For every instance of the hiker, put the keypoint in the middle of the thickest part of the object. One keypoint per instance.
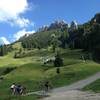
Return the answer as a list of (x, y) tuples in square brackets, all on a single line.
[(13, 88), (48, 86), (18, 89), (23, 90)]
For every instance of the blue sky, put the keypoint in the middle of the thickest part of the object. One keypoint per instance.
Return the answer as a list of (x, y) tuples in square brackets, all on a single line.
[(18, 17)]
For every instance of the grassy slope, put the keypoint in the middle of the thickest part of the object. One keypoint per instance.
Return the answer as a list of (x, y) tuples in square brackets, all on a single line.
[(31, 72), (95, 86), (71, 73), (8, 60)]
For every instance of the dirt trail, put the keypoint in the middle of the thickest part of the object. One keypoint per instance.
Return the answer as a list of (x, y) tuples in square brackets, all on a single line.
[(72, 92), (73, 95)]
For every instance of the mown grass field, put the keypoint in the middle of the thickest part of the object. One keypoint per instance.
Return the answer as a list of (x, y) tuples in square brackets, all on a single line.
[(30, 71)]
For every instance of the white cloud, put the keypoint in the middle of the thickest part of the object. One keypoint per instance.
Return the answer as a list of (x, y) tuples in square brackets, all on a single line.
[(3, 40), (10, 11), (21, 22), (21, 33)]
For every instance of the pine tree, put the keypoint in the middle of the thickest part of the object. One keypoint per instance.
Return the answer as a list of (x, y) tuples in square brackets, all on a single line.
[(58, 63)]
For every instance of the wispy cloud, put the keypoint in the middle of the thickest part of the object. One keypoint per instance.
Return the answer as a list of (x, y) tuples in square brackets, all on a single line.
[(11, 10), (21, 33), (3, 40), (21, 22)]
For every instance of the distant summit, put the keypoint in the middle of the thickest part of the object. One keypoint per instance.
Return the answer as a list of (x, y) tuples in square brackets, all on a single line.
[(58, 24), (43, 28), (74, 25)]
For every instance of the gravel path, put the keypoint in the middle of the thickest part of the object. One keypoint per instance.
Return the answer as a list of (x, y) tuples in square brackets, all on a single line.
[(73, 95), (72, 92), (78, 85)]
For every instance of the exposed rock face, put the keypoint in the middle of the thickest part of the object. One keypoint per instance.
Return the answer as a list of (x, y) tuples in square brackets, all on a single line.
[(74, 25), (58, 24), (43, 28), (55, 25)]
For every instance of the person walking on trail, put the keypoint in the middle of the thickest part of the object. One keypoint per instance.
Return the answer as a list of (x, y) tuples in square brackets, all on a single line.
[(23, 90), (13, 88), (48, 86)]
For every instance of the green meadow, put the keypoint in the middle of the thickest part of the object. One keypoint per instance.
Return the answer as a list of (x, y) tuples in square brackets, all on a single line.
[(30, 71)]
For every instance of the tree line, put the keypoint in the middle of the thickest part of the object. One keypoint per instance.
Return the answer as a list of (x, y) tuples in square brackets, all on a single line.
[(4, 49)]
